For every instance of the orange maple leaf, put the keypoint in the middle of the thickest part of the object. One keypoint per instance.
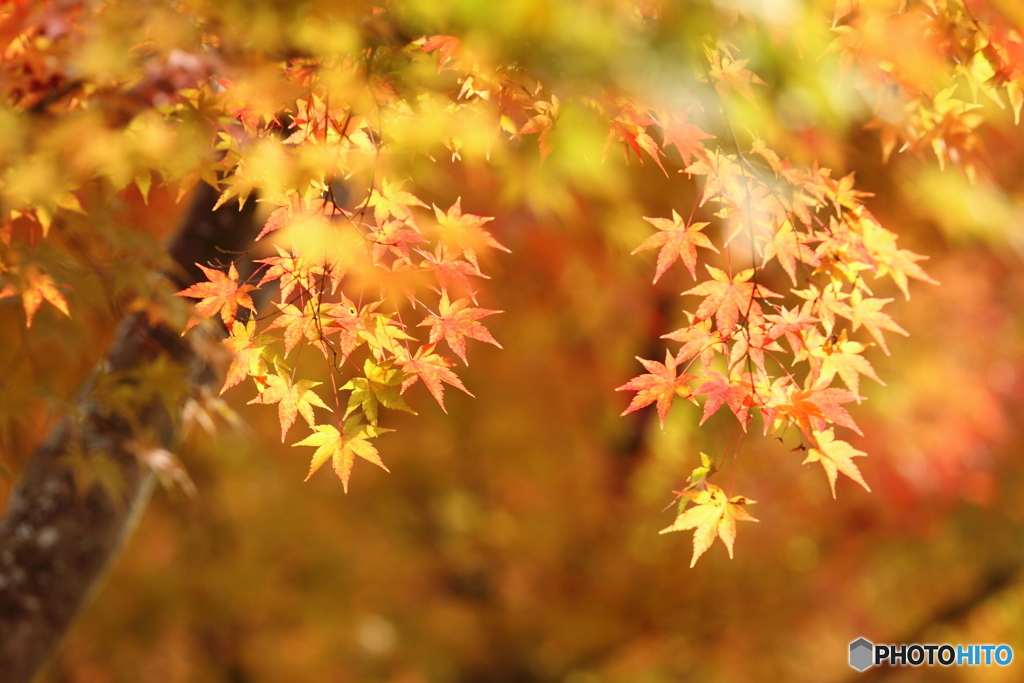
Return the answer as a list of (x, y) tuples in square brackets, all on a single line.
[(39, 287), (835, 456), (713, 515), (463, 234), (388, 199), (542, 123), (248, 348), (222, 294), (661, 384), (455, 322), (299, 324), (789, 246), (686, 137), (677, 241), (291, 399), (447, 268), (446, 46), (697, 340), (631, 127), (433, 369), (729, 74), (728, 298), (810, 409)]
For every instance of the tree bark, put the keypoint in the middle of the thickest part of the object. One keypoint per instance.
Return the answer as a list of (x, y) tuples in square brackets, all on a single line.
[(56, 542)]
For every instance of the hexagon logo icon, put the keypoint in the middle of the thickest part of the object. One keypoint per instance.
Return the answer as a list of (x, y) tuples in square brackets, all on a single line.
[(861, 652)]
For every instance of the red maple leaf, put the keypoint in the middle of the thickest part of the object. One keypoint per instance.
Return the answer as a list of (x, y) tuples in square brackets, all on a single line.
[(222, 294), (737, 392), (455, 322), (728, 299), (677, 241), (660, 384)]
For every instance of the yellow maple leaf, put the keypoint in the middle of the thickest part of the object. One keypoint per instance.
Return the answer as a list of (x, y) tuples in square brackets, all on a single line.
[(713, 515)]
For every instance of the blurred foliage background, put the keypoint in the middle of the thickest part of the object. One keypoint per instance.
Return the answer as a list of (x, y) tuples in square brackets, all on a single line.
[(515, 540)]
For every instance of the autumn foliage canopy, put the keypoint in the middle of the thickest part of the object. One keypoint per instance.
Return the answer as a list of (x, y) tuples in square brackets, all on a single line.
[(355, 127)]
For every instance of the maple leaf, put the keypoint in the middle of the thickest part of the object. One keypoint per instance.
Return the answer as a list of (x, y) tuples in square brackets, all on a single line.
[(737, 392), (222, 294), (677, 241), (394, 237), (350, 325), (686, 137), (380, 332), (291, 270), (291, 399), (447, 268), (379, 387), (713, 515), (248, 349), (388, 199), (446, 47), (660, 384), (728, 299), (835, 456), (433, 369), (299, 213), (697, 340), (39, 287), (789, 246), (752, 342), (455, 322), (341, 448), (825, 303), (809, 409), (868, 312), (631, 127), (462, 233), (299, 325), (843, 358), (793, 325), (729, 74), (899, 264), (542, 123)]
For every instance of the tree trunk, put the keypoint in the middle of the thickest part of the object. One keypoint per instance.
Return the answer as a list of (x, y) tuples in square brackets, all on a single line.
[(56, 542)]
